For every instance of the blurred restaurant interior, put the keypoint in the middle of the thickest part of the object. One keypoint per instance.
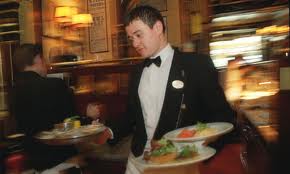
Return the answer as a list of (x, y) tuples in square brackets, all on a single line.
[(84, 42)]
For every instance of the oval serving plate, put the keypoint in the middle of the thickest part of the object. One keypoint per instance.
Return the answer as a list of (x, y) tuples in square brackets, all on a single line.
[(220, 127), (203, 154)]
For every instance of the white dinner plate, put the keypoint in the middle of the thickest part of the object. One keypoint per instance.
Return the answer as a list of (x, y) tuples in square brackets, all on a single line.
[(220, 127), (203, 154)]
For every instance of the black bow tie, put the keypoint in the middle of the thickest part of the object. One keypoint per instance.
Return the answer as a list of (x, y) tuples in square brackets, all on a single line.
[(156, 61)]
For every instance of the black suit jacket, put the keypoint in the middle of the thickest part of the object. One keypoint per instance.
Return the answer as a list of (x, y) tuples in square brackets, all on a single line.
[(201, 98), (40, 102), (37, 104)]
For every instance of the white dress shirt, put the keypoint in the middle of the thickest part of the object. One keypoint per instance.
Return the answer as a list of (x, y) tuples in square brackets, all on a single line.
[(151, 92)]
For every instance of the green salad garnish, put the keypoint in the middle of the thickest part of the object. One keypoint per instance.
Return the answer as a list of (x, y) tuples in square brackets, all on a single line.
[(187, 151), (163, 142), (165, 148), (201, 126)]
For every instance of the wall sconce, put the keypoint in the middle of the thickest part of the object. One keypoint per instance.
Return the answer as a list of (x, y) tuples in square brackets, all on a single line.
[(81, 20), (63, 14)]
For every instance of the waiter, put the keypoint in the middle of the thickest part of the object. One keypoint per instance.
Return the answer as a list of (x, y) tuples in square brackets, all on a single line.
[(39, 102), (169, 90)]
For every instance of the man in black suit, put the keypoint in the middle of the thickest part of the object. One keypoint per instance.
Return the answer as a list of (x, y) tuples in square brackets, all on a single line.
[(39, 102), (170, 89)]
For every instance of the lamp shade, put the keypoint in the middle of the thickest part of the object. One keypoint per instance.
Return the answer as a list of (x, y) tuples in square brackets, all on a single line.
[(82, 20), (64, 13)]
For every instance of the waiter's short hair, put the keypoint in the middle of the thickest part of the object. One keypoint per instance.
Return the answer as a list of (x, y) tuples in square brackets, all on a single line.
[(25, 54), (146, 14)]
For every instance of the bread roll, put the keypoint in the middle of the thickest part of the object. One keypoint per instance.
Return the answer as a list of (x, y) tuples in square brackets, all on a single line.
[(163, 158)]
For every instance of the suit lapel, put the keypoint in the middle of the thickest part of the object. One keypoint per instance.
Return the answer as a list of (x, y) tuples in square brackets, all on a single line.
[(136, 86), (172, 100), (137, 78)]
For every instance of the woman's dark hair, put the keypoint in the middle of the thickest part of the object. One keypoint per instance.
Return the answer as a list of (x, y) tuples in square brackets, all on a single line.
[(146, 14), (24, 55)]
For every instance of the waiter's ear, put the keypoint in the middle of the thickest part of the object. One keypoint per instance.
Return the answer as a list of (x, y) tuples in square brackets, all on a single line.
[(37, 59), (158, 27)]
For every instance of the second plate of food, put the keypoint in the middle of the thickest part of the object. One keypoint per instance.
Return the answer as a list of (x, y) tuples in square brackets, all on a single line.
[(200, 131)]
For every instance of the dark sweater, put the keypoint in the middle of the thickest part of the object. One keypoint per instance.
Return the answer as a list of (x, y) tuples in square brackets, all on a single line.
[(37, 104)]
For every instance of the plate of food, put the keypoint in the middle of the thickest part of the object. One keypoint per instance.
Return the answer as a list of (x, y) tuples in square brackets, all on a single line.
[(85, 130), (200, 131), (82, 131), (166, 154)]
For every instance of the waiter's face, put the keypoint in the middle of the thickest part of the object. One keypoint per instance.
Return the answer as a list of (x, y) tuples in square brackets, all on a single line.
[(145, 40)]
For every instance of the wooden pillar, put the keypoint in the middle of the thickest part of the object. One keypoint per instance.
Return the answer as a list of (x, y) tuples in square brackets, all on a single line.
[(37, 21)]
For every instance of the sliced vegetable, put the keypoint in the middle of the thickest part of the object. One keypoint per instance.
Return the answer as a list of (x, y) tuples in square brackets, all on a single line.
[(186, 133), (71, 118)]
